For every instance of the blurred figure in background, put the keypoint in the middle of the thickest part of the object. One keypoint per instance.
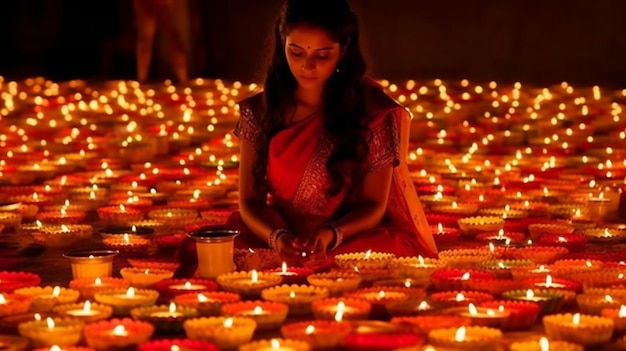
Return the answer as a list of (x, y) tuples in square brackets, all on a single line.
[(148, 15)]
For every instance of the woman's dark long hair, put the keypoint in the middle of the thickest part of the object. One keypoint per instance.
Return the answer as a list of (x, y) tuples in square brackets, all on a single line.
[(343, 105)]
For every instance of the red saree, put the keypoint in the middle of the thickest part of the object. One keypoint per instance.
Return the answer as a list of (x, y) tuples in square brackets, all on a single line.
[(297, 178)]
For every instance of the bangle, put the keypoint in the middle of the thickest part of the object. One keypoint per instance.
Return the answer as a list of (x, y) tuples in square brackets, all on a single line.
[(338, 235), (273, 239)]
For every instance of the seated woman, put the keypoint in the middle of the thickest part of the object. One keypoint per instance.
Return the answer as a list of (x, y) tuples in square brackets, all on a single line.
[(323, 152)]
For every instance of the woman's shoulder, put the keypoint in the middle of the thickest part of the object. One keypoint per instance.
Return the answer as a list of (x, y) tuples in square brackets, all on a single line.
[(253, 104), (377, 101)]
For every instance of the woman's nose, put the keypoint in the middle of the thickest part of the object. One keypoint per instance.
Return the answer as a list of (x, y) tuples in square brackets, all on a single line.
[(309, 64)]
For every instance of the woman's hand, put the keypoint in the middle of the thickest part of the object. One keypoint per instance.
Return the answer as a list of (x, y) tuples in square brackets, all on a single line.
[(288, 248), (316, 245)]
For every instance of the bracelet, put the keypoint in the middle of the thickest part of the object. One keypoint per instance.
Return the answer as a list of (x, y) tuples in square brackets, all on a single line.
[(273, 239), (338, 235)]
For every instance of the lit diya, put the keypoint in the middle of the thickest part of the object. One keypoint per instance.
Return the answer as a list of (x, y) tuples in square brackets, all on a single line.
[(124, 300), (291, 275), (482, 316), (267, 315), (89, 286), (335, 282), (226, 332), (248, 283), (86, 312), (341, 309), (297, 297), (362, 260), (169, 288), (50, 332), (618, 315), (549, 301), (45, 298), (466, 338), (579, 328), (144, 278), (318, 334), (166, 319), (117, 333), (207, 303)]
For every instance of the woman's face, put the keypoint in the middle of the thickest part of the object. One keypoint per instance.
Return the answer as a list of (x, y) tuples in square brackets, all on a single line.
[(312, 55)]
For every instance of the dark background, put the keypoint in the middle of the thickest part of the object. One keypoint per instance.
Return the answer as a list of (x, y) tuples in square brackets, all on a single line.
[(582, 41)]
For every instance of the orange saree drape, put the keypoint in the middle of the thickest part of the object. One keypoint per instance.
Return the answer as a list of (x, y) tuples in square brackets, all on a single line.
[(297, 178)]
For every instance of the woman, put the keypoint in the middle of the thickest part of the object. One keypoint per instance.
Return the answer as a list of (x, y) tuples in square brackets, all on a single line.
[(327, 145)]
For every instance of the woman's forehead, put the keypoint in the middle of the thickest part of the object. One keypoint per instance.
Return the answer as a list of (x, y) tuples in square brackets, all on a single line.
[(310, 38)]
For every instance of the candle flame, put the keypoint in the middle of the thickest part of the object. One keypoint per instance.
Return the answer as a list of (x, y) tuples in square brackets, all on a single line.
[(228, 322), (341, 307), (530, 294), (548, 281), (98, 281), (130, 293), (55, 348), (284, 267), (368, 254), (87, 306), (172, 308), (407, 283), (310, 329), (275, 344), (292, 294), (622, 312), (421, 259), (588, 264), (439, 227), (460, 297), (465, 276), (175, 348), (576, 319), (120, 331), (608, 298), (254, 276), (126, 238), (381, 294), (64, 228), (2, 299), (492, 247), (542, 268), (423, 306), (460, 334), (257, 310), (202, 298), (472, 309), (187, 285), (56, 291), (147, 271), (50, 323), (544, 344), (122, 208)]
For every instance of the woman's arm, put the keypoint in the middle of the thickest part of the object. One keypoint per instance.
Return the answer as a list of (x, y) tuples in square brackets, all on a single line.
[(258, 216)]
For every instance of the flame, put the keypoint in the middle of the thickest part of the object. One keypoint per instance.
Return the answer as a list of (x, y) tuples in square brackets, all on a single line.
[(421, 259), (55, 348), (407, 283), (254, 276), (608, 298), (50, 323), (122, 208), (275, 344), (172, 308), (56, 291), (202, 298), (465, 276), (500, 233), (120, 331), (37, 317), (87, 306), (460, 297), (187, 285), (126, 238), (284, 268), (130, 293), (147, 271), (64, 228), (310, 329), (548, 281), (588, 264), (460, 334), (472, 309), (381, 294), (440, 228), (368, 254), (257, 310), (423, 306), (228, 323), (530, 294), (576, 319), (544, 344), (622, 311), (98, 281), (2, 299), (341, 307), (292, 294)]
